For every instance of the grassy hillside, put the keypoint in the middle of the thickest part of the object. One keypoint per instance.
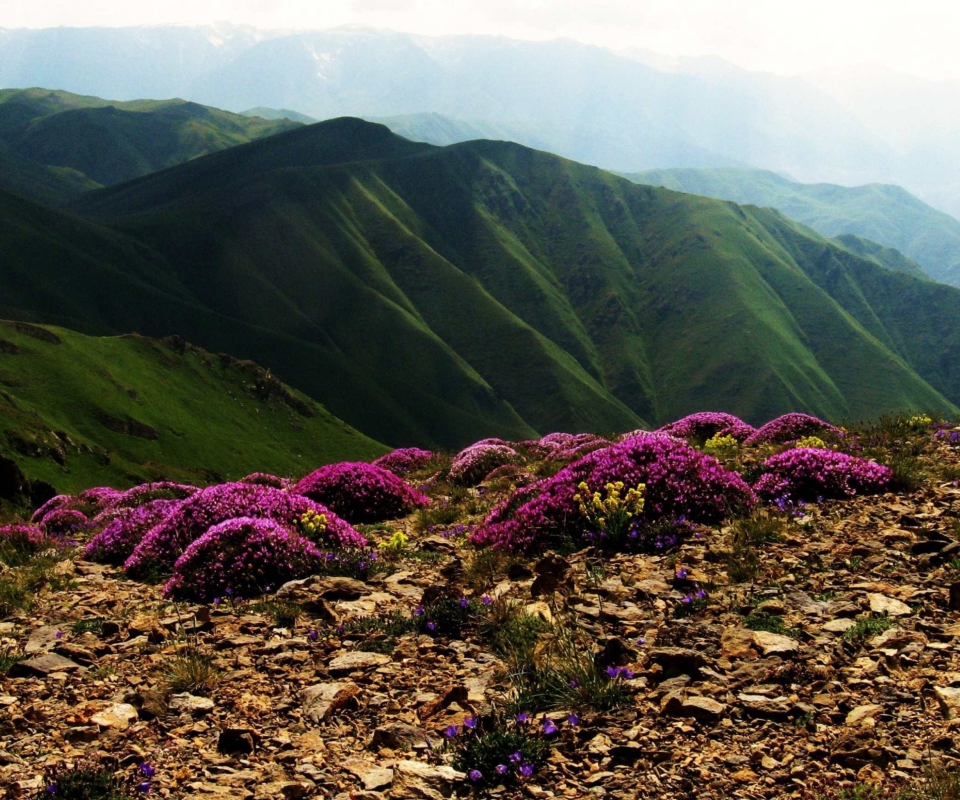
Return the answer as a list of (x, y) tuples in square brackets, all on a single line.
[(583, 300), (110, 142), (885, 214), (77, 411), (65, 270)]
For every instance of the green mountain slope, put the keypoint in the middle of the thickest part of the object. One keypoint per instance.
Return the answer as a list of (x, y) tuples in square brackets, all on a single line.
[(881, 213), (111, 142), (65, 270), (77, 411), (52, 185), (583, 300)]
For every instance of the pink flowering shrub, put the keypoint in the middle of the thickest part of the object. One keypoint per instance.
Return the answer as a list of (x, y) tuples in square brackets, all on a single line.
[(148, 492), (473, 464), (681, 482), (566, 446), (64, 522), (125, 530), (89, 503), (361, 492), (707, 424), (809, 474), (242, 557), (405, 460), (166, 541), (791, 427), (19, 542), (265, 479)]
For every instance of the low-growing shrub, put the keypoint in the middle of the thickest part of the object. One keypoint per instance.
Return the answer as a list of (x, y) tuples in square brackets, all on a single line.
[(361, 492), (115, 543), (264, 479), (65, 523), (813, 475), (499, 751), (680, 482), (191, 671), (706, 424), (148, 492), (165, 542), (405, 460), (19, 543), (867, 627), (246, 556), (473, 464), (88, 780), (789, 428)]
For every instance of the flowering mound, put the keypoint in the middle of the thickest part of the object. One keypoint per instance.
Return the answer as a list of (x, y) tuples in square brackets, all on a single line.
[(125, 530), (148, 492), (242, 557), (564, 446), (165, 542), (264, 479), (89, 503), (18, 541), (64, 522), (361, 492), (707, 424), (789, 428), (472, 465), (680, 482), (809, 474), (404, 460)]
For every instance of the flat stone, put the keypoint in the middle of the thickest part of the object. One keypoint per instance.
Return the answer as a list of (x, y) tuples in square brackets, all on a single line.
[(949, 699), (765, 706), (43, 665), (372, 776), (323, 699), (771, 644), (186, 703), (678, 660), (414, 779), (860, 713), (43, 640), (839, 625), (704, 709), (118, 717), (737, 643), (398, 736), (881, 604), (357, 660)]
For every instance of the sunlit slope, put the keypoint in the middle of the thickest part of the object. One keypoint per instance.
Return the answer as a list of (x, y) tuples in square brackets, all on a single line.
[(110, 142), (78, 411), (585, 301)]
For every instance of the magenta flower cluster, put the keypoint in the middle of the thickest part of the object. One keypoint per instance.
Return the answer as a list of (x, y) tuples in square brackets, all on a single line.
[(680, 482), (361, 492), (242, 557), (808, 473), (193, 517), (26, 539), (404, 461), (266, 479), (125, 530), (791, 427), (707, 424), (472, 464), (566, 446)]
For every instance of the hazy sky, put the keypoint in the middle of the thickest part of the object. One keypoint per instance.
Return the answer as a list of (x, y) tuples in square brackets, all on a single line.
[(915, 36)]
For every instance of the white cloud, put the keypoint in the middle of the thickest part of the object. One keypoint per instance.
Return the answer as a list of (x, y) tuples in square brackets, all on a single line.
[(772, 35)]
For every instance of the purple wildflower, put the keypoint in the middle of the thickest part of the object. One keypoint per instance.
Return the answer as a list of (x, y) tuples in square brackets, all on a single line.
[(526, 770), (476, 775), (502, 769), (807, 473), (361, 492), (573, 720), (523, 716), (549, 727), (470, 723), (451, 731), (516, 757)]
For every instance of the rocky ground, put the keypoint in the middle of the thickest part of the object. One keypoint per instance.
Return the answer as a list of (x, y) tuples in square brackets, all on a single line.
[(856, 678)]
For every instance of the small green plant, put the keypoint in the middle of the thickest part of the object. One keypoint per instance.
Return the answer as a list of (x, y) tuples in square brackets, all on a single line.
[(285, 614), (937, 782), (721, 445), (9, 657), (771, 624), (511, 632), (499, 750), (395, 547), (853, 564), (93, 625), (191, 671), (91, 781), (868, 627), (611, 512)]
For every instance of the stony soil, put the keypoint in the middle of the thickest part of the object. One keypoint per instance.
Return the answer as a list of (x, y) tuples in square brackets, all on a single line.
[(716, 710)]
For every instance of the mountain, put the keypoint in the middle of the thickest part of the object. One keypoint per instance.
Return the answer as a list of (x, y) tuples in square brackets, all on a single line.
[(61, 269), (279, 113), (442, 130), (141, 409), (582, 300), (579, 101), (885, 214), (52, 185), (109, 142)]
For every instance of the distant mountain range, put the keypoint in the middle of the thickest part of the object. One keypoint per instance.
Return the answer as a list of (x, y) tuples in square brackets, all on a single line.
[(435, 296), (888, 215), (77, 411)]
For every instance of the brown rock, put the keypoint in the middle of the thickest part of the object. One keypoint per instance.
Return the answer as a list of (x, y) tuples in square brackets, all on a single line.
[(881, 604), (356, 660), (43, 665), (118, 716), (414, 779), (323, 699), (234, 741)]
